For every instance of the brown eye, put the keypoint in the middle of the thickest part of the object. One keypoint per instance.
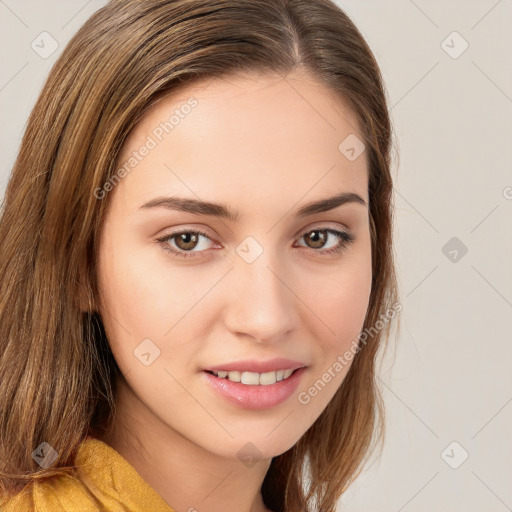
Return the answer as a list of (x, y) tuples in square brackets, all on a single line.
[(316, 238), (186, 244), (327, 241), (186, 241)]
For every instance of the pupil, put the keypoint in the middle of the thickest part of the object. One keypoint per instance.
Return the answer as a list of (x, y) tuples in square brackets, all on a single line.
[(317, 237), (186, 239)]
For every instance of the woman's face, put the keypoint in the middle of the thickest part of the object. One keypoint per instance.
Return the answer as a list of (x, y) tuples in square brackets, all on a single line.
[(261, 281)]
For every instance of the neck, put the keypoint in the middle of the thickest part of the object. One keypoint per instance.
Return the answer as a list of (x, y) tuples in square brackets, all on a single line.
[(186, 475)]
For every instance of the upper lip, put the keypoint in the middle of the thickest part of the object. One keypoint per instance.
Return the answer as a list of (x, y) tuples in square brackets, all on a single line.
[(255, 366)]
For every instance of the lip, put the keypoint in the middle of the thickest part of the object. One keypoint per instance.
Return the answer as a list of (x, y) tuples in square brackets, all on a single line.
[(252, 365), (255, 397)]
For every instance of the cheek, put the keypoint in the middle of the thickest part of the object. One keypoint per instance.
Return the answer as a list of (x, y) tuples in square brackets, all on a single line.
[(340, 302), (140, 290), (126, 285), (144, 297), (339, 307)]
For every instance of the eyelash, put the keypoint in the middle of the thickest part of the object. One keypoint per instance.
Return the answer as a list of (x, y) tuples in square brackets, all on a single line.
[(345, 239)]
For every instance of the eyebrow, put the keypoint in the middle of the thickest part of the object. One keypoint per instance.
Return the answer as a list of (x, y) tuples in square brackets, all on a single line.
[(224, 211)]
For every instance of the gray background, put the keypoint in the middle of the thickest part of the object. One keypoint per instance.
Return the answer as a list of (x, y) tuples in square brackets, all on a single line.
[(449, 378)]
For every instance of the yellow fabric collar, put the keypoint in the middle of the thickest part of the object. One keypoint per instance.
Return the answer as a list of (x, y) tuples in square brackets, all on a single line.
[(104, 481)]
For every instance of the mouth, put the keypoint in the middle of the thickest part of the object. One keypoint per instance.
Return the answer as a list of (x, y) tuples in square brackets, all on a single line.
[(254, 378), (251, 390)]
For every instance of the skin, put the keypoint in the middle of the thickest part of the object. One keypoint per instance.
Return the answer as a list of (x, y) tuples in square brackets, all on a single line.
[(263, 145)]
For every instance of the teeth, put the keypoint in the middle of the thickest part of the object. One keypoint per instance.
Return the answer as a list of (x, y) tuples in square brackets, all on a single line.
[(250, 378), (287, 373), (234, 376), (255, 379), (267, 378)]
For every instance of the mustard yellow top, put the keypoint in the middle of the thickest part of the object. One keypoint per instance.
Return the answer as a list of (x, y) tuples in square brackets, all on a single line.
[(105, 482)]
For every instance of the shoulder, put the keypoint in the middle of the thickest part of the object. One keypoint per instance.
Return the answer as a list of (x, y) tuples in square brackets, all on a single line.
[(55, 494), (76, 490), (103, 481)]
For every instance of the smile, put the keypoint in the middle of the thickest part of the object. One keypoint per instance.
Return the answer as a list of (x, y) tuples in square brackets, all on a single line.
[(253, 378)]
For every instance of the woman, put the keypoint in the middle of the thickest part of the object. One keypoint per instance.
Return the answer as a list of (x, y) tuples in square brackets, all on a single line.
[(196, 263)]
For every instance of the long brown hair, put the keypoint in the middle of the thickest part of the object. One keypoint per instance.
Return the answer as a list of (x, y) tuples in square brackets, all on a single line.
[(57, 373)]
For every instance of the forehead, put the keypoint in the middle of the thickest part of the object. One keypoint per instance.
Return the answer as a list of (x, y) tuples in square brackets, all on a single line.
[(246, 135)]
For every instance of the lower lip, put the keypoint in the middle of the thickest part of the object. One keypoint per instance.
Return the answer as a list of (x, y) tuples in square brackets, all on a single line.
[(255, 397)]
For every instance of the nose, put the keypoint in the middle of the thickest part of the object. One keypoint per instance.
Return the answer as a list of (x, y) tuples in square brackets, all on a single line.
[(262, 304)]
